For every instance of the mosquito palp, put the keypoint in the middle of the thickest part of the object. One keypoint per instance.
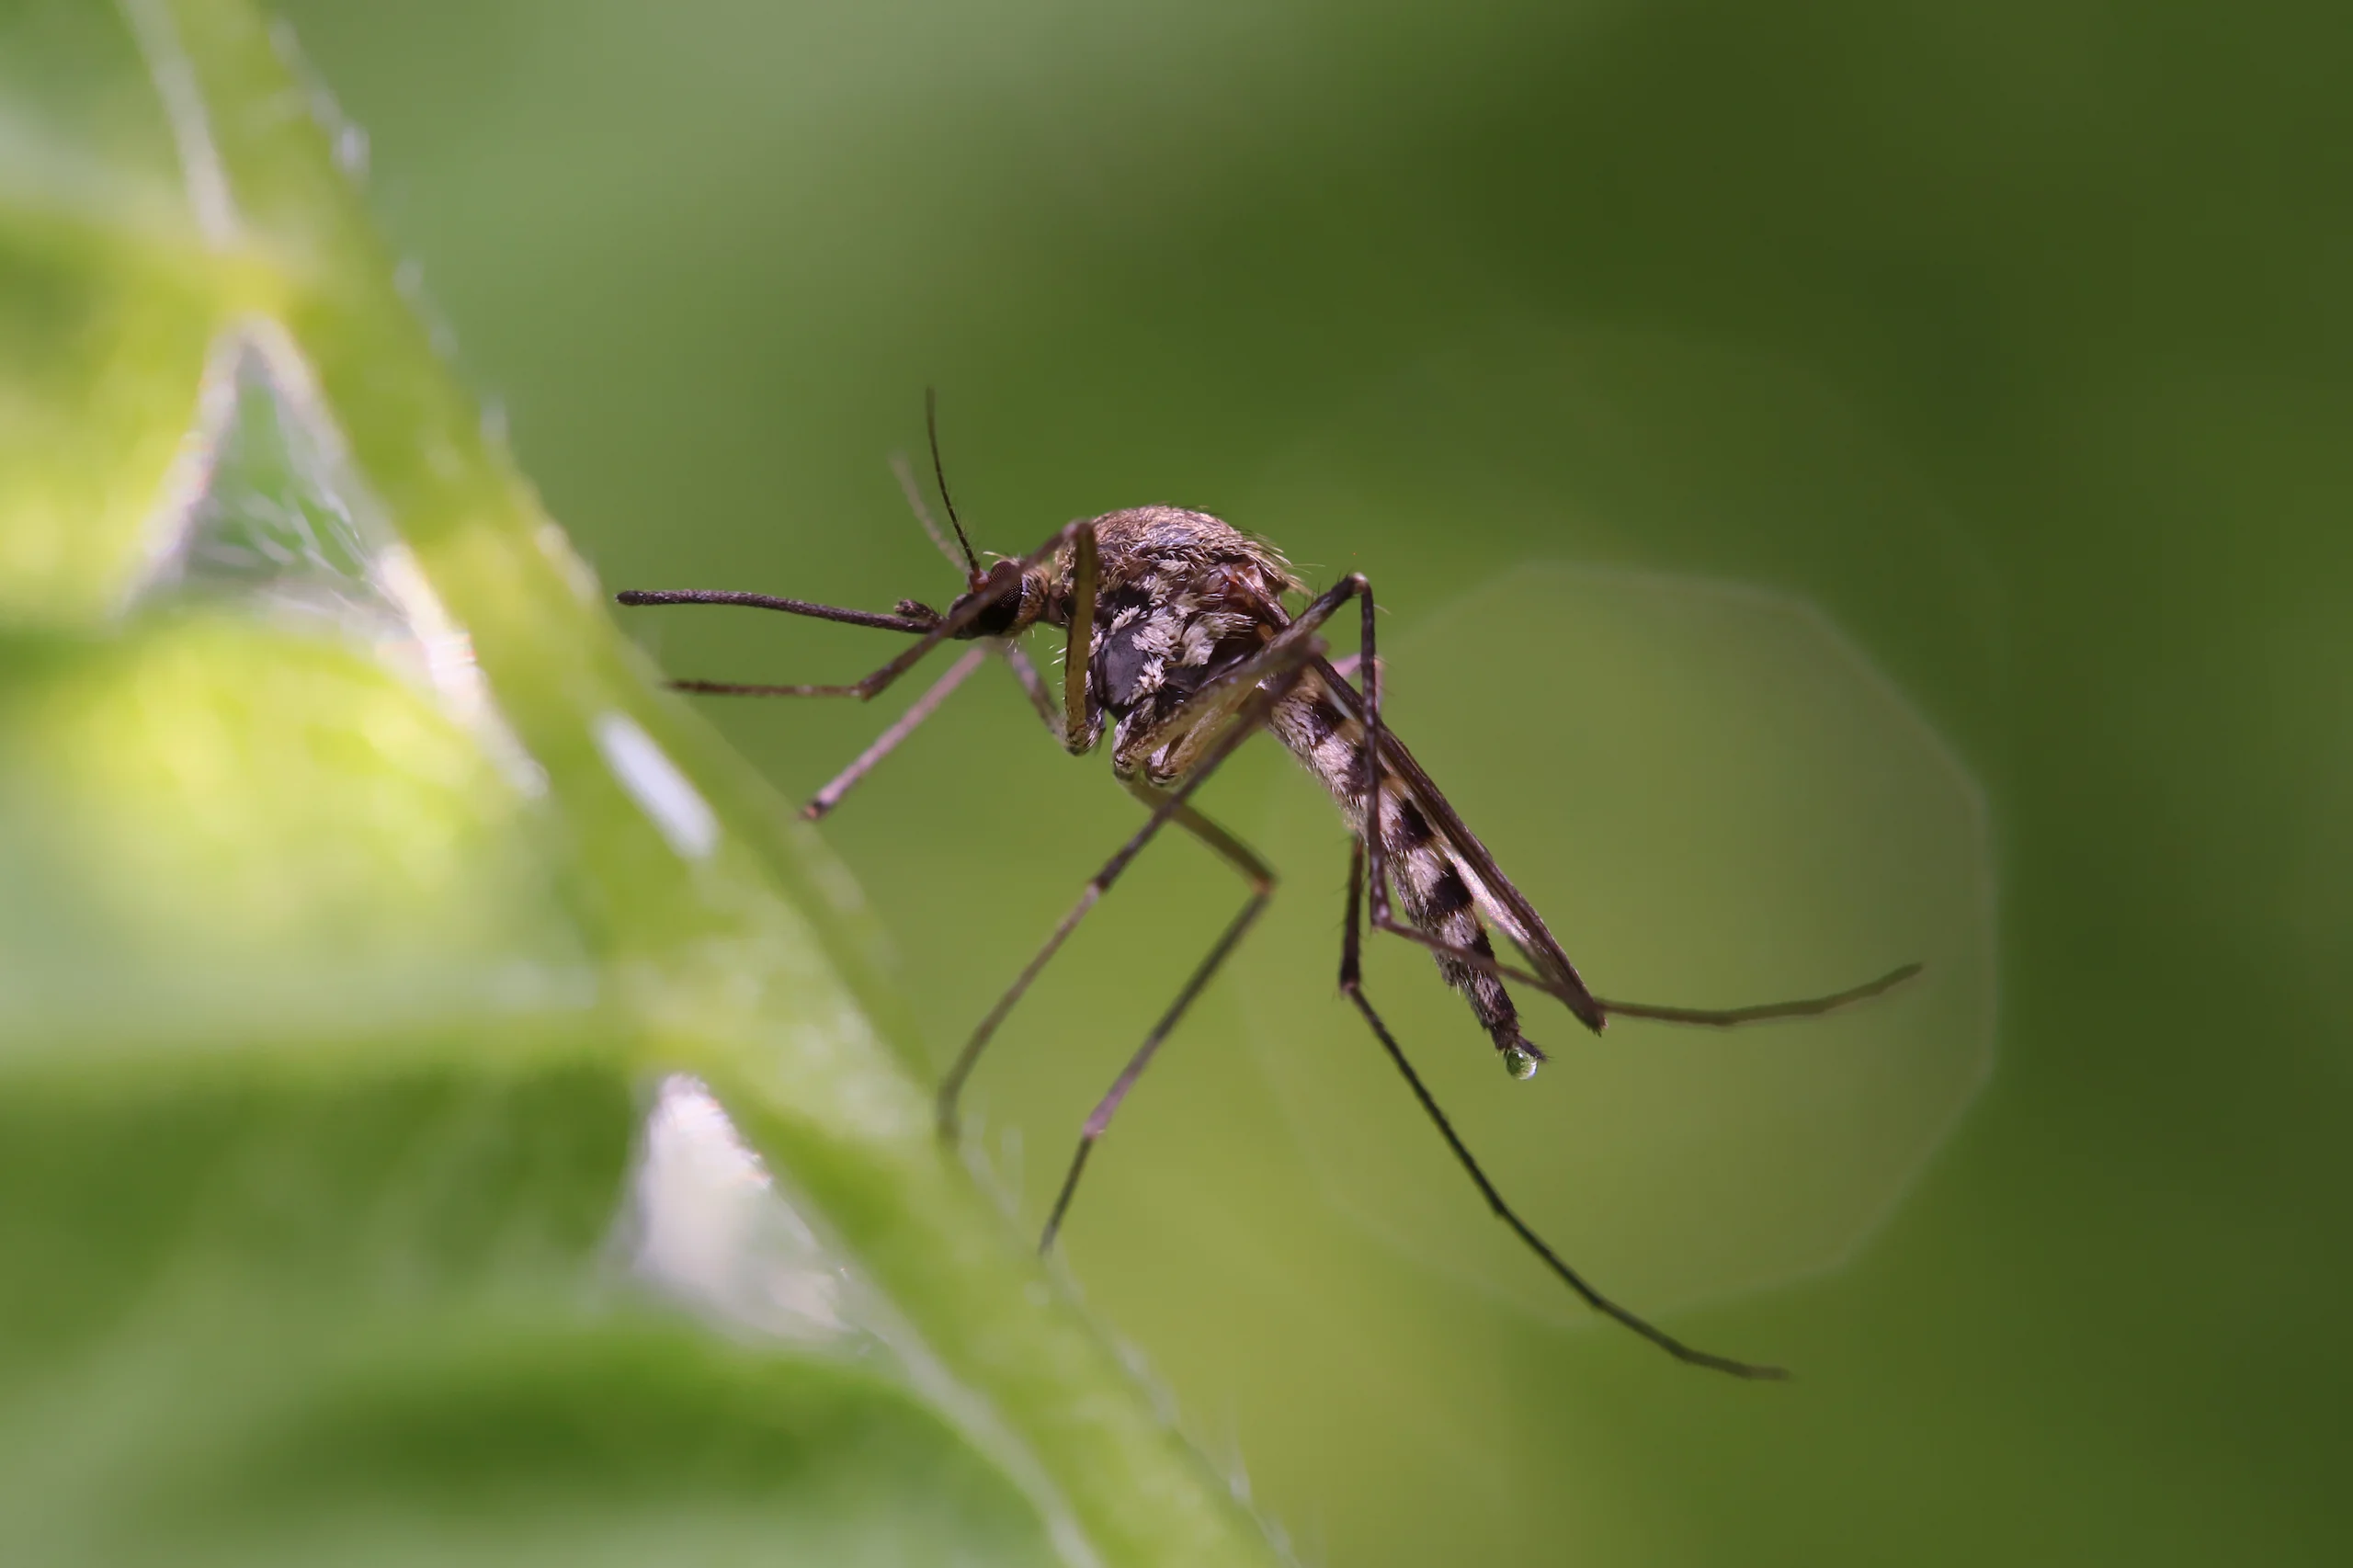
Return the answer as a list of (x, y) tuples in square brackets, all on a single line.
[(1179, 643)]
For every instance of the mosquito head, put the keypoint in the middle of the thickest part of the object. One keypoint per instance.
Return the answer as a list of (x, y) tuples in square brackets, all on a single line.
[(1014, 599)]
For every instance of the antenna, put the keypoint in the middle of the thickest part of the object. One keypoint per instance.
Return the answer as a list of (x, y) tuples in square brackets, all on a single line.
[(939, 474), (911, 489)]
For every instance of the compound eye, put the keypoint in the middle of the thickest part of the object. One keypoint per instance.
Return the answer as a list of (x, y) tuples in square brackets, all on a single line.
[(999, 618), (1005, 612)]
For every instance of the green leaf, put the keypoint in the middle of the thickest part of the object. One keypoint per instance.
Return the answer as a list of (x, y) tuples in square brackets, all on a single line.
[(445, 1118)]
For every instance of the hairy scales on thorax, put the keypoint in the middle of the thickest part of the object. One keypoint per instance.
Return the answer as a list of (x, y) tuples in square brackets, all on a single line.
[(1181, 596)]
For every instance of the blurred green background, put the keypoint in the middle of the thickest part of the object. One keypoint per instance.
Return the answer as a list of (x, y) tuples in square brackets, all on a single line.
[(2013, 337)]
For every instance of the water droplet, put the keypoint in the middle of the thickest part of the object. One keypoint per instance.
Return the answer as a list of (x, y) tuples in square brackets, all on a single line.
[(1522, 1063)]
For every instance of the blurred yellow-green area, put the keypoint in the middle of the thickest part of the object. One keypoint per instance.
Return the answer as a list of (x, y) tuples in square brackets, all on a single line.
[(1844, 484)]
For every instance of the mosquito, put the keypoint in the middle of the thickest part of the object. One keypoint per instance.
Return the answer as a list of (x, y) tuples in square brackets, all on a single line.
[(1179, 641)]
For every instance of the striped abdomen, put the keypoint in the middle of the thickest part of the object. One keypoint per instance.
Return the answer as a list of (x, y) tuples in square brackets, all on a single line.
[(1432, 890)]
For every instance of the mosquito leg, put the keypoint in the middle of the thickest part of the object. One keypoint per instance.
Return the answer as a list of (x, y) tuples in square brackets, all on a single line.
[(769, 601), (904, 725), (1240, 729), (1351, 983), (1033, 685), (1098, 1123), (1758, 1013), (992, 587), (1706, 1017), (1082, 720), (925, 705), (1261, 878)]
